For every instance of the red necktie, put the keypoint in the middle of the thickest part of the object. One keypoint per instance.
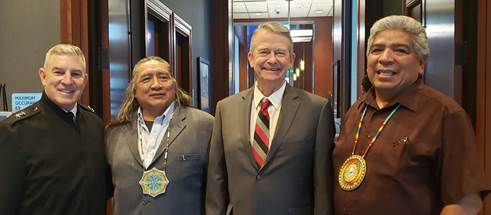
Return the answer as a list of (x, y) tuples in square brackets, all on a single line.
[(260, 145)]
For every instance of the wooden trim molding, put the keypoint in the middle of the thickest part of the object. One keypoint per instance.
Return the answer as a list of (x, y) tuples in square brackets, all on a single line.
[(483, 90), (158, 9), (244, 82), (220, 61), (182, 25), (185, 29), (164, 14), (74, 30)]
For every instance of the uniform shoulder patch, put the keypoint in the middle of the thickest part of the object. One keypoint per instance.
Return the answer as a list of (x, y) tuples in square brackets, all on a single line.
[(23, 114), (88, 108)]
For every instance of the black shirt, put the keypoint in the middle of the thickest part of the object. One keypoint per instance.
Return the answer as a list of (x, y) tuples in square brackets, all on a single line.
[(50, 164)]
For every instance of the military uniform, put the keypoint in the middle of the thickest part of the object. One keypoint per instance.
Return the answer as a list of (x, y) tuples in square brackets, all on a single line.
[(51, 163)]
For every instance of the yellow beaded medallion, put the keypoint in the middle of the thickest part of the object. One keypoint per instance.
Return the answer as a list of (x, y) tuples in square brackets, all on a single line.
[(354, 169), (352, 173)]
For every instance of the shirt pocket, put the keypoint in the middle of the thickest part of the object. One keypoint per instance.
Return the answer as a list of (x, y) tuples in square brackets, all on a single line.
[(189, 157), (417, 160), (188, 166)]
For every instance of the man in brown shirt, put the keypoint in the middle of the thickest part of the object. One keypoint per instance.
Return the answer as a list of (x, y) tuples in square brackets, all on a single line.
[(405, 148)]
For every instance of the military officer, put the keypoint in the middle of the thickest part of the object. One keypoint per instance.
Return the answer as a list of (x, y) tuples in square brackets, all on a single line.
[(52, 153)]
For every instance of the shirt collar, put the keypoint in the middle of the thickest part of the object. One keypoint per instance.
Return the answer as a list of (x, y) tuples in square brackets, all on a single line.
[(62, 112), (408, 98), (160, 119), (73, 110), (274, 98)]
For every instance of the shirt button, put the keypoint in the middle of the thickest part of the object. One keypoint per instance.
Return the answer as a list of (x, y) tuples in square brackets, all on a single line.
[(258, 177)]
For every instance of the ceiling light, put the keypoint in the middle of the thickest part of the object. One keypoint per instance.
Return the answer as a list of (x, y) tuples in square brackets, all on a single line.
[(319, 11), (301, 33), (301, 39), (258, 14)]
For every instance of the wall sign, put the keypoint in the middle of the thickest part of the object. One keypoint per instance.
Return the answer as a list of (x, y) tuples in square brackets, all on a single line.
[(23, 100)]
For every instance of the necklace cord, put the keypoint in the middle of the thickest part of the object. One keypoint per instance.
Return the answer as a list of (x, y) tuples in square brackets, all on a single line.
[(167, 143), (379, 131)]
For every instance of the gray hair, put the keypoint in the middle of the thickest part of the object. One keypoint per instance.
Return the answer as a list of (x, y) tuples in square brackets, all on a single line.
[(130, 104), (64, 49), (407, 24), (277, 28)]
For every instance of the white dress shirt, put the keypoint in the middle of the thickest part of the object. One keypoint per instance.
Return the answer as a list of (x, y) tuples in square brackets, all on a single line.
[(149, 141), (273, 110)]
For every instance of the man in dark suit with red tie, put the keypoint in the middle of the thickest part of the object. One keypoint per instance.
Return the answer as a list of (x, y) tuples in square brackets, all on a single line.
[(271, 144)]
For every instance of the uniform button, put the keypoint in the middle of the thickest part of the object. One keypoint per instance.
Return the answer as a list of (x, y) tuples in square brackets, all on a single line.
[(258, 177)]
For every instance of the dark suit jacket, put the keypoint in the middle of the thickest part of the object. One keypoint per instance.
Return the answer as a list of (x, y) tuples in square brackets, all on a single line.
[(186, 165), (50, 164), (297, 175)]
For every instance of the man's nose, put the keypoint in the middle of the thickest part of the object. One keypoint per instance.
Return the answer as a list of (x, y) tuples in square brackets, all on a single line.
[(271, 58), (387, 56), (156, 83), (67, 78)]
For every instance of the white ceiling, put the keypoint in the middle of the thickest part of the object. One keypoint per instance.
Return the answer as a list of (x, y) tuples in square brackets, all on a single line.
[(255, 9)]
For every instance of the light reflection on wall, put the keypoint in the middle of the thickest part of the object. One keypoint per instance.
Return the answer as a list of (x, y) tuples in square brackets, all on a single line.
[(119, 54)]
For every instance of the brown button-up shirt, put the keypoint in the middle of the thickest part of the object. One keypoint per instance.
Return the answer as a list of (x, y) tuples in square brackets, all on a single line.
[(425, 158)]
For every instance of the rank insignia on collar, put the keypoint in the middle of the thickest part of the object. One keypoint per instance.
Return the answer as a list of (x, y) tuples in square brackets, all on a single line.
[(87, 108), (20, 114)]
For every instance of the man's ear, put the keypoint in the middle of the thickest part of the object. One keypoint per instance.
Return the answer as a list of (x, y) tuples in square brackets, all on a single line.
[(422, 66), (42, 75), (292, 59), (249, 58), (86, 79)]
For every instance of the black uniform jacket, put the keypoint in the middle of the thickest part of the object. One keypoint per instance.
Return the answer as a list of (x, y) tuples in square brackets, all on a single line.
[(50, 164)]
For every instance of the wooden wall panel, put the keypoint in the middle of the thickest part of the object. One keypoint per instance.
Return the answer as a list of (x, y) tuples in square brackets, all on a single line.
[(323, 85), (104, 28), (74, 30), (303, 51), (221, 29), (483, 109), (244, 82), (308, 73)]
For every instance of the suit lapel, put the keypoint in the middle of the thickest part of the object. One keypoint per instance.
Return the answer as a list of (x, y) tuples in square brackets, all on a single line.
[(289, 107), (132, 141), (176, 125), (245, 116)]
